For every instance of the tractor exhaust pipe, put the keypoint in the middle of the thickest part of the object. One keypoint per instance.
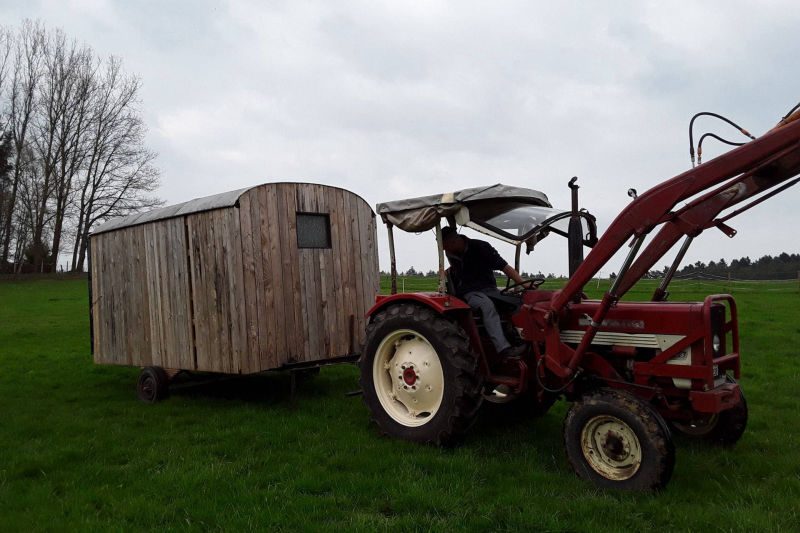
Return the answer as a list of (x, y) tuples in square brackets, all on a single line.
[(575, 231)]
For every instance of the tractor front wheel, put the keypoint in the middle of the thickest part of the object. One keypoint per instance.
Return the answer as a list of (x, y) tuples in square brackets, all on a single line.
[(420, 378), (725, 428), (617, 441)]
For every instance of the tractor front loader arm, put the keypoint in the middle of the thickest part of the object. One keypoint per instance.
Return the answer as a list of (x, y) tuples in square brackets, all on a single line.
[(752, 168), (699, 215), (654, 207)]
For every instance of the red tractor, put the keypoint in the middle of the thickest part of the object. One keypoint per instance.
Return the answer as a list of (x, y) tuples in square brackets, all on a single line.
[(634, 371)]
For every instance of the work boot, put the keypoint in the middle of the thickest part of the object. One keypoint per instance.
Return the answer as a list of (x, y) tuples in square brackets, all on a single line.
[(513, 351)]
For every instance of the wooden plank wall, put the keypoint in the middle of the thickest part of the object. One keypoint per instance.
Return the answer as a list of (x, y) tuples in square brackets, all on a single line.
[(141, 304), (306, 304), (229, 290), (217, 289)]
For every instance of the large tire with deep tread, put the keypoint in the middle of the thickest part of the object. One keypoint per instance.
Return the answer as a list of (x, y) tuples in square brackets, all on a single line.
[(725, 428), (618, 441), (413, 356)]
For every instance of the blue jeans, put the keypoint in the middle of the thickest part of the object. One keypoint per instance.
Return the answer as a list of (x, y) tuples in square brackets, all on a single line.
[(491, 320)]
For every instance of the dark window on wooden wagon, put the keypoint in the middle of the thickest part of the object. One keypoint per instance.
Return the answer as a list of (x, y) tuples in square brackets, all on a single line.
[(313, 230)]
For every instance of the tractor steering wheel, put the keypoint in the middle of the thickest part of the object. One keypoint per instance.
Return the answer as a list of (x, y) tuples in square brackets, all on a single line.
[(528, 284)]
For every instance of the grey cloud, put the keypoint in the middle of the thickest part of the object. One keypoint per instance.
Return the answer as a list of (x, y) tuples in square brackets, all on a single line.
[(404, 99)]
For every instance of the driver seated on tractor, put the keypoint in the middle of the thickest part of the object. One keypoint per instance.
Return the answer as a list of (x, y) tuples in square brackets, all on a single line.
[(472, 266)]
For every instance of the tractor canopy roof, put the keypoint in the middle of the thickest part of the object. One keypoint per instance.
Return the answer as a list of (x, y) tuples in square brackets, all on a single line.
[(512, 214)]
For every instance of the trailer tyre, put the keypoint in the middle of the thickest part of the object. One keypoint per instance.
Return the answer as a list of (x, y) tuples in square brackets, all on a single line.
[(153, 384), (421, 381), (725, 428), (617, 441)]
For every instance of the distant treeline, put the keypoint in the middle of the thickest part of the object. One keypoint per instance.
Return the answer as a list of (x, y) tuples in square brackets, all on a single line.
[(782, 266), (432, 274)]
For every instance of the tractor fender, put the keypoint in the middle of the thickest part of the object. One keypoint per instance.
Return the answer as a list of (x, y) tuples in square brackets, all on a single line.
[(441, 303)]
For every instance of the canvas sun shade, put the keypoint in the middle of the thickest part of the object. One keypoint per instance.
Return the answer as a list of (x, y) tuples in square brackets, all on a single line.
[(422, 214)]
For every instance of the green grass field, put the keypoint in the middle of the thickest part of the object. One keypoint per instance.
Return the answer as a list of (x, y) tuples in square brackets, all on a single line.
[(78, 451)]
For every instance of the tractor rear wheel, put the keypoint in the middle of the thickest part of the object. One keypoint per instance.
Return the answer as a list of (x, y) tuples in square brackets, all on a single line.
[(618, 441), (421, 381), (724, 428)]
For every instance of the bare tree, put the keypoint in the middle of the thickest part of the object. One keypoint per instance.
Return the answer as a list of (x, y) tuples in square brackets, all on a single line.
[(6, 46), (119, 171), (70, 77), (6, 149), (77, 140), (33, 193), (22, 102)]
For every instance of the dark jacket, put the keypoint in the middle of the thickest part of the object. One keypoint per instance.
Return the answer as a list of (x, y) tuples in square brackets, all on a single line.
[(474, 269)]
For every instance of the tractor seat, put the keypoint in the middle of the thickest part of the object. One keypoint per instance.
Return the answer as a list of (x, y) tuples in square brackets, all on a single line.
[(507, 303)]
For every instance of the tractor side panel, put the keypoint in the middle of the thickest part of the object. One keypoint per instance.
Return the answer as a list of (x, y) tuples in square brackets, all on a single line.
[(676, 318), (441, 303)]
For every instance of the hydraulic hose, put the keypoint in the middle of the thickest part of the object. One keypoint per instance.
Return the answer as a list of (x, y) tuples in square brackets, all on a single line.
[(715, 115), (717, 137)]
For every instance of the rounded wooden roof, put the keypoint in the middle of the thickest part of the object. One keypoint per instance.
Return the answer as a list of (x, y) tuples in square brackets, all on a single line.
[(206, 203)]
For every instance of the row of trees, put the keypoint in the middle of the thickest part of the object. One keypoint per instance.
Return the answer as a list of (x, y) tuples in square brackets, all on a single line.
[(72, 149), (433, 274), (782, 266)]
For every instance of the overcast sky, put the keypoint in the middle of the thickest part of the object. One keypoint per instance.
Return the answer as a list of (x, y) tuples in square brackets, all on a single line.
[(398, 99)]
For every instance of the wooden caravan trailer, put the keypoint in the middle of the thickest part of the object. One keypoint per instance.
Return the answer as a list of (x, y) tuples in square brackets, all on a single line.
[(275, 276)]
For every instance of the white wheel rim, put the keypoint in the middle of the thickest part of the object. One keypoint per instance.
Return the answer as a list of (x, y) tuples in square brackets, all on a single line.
[(408, 378), (611, 447)]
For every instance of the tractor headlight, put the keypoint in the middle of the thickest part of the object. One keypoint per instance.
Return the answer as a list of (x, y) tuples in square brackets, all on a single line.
[(716, 344)]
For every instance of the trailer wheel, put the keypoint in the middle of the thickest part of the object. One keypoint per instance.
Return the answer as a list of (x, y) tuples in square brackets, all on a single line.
[(421, 380), (617, 441), (725, 428), (153, 384)]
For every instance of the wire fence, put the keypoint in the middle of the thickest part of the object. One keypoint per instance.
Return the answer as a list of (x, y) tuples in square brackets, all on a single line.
[(703, 283)]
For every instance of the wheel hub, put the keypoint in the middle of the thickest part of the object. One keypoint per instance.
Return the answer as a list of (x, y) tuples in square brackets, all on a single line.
[(409, 374), (615, 447), (611, 447)]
